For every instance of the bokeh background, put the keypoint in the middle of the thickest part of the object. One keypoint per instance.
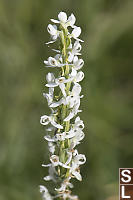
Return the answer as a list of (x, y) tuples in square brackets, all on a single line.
[(108, 94)]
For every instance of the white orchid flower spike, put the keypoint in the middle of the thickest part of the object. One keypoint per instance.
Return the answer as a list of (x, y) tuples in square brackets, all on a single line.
[(64, 127)]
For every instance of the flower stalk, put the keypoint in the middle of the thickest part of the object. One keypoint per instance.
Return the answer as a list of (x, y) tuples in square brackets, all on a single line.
[(65, 129)]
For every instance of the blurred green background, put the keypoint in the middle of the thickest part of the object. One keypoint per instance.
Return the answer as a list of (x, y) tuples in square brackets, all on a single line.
[(108, 98)]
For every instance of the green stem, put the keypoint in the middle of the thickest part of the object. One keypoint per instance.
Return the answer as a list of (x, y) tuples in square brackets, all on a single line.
[(64, 108)]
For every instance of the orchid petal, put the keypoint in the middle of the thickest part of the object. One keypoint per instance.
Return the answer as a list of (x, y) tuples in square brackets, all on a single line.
[(48, 165), (50, 42), (50, 77), (77, 175), (44, 120), (55, 21), (70, 116), (52, 29), (62, 87), (51, 85), (49, 139), (56, 125), (56, 104), (71, 20), (47, 178), (64, 165), (76, 32), (69, 158), (62, 17), (79, 76)]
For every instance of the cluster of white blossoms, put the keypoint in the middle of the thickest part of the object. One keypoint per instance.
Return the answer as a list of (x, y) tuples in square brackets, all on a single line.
[(64, 127)]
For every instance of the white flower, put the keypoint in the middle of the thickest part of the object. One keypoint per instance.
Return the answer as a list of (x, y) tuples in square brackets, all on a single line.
[(78, 123), (76, 33), (55, 162), (54, 33), (73, 98), (75, 51), (76, 76), (74, 101), (62, 19), (66, 195), (77, 63), (76, 134), (50, 77), (70, 134), (58, 103), (79, 135), (45, 193), (52, 62), (59, 82), (50, 139), (45, 120), (65, 135), (74, 112), (62, 16), (51, 147), (60, 136), (65, 185), (52, 174), (78, 159), (52, 29), (49, 96), (55, 62)]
